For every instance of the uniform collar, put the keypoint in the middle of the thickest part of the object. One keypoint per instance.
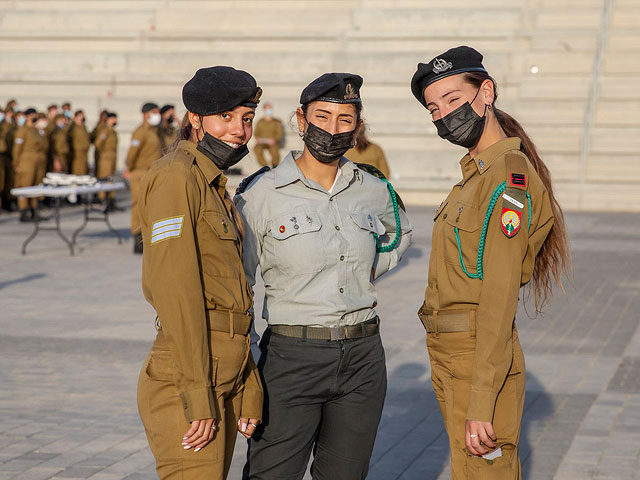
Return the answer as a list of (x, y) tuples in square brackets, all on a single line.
[(483, 160), (288, 172), (210, 170)]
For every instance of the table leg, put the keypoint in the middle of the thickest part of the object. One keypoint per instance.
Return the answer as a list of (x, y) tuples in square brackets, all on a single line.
[(57, 217), (106, 220), (84, 222), (36, 227)]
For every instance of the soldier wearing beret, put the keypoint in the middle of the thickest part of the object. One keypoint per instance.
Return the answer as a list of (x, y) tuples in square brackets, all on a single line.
[(145, 149), (107, 151), (322, 230), (499, 229), (167, 129), (199, 385), (79, 141), (60, 144)]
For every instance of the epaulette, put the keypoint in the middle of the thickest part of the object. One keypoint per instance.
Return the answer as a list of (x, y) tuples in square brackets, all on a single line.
[(377, 173), (245, 182), (515, 195)]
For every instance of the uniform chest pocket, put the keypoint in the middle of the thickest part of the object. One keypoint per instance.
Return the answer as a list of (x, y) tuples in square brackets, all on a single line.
[(297, 243), (462, 236), (363, 249), (368, 222), (217, 240)]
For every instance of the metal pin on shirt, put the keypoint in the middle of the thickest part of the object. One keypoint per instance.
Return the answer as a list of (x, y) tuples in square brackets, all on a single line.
[(295, 223), (309, 220)]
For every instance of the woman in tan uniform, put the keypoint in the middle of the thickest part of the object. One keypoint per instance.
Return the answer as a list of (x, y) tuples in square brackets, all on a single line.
[(499, 228), (199, 384)]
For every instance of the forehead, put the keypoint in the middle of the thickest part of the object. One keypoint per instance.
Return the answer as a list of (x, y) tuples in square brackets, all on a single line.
[(445, 85), (331, 107)]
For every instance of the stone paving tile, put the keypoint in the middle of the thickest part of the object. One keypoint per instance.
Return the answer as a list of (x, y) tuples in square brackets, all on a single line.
[(70, 361)]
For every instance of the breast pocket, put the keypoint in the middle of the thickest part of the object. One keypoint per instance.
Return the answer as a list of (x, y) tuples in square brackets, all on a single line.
[(463, 218), (297, 242), (363, 245), (217, 239)]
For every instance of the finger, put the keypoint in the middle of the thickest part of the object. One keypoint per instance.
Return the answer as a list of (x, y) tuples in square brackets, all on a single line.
[(484, 438), (251, 428), (242, 425), (193, 429), (490, 431), (206, 436), (475, 443), (197, 435)]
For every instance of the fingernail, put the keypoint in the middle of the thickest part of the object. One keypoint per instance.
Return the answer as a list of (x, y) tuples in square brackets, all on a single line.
[(187, 447), (244, 427), (185, 437), (197, 450), (184, 443)]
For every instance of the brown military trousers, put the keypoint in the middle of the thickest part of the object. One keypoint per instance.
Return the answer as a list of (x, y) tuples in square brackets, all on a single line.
[(31, 171), (274, 153), (135, 177), (106, 166), (80, 164), (451, 356), (162, 413)]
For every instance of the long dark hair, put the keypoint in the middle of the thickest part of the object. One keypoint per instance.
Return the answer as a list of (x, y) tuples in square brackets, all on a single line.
[(184, 133), (554, 258)]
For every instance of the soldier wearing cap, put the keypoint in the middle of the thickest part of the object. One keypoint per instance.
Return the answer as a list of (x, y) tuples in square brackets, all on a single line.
[(29, 153), (199, 385), (145, 149), (499, 229), (167, 129), (322, 230)]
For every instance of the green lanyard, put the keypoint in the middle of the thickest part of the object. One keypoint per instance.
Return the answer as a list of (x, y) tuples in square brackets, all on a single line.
[(396, 213)]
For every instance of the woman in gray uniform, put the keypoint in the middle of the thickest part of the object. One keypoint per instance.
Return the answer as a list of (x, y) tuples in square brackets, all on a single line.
[(322, 230)]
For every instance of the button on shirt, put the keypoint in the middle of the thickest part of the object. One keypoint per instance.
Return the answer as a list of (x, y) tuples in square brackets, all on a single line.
[(316, 249)]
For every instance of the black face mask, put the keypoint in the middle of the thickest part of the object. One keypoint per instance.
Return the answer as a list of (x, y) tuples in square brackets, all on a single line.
[(170, 119), (463, 126), (324, 147), (220, 153)]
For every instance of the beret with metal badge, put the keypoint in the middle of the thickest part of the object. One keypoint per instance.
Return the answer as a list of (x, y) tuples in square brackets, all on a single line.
[(333, 87)]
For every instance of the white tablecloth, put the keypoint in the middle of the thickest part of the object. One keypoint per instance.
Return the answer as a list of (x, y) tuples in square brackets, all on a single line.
[(49, 191)]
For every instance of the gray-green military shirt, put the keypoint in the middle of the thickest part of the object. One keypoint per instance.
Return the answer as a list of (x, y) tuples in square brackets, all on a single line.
[(316, 249)]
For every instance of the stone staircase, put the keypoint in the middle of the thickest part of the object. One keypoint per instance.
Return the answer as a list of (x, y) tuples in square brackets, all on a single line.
[(580, 107)]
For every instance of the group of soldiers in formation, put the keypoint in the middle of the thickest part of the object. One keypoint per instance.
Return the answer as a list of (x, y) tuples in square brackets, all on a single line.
[(33, 143)]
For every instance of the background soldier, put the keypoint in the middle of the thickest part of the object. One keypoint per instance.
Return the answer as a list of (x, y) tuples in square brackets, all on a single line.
[(167, 129), (7, 129), (107, 150), (60, 144), (145, 149), (29, 158), (80, 143), (269, 136)]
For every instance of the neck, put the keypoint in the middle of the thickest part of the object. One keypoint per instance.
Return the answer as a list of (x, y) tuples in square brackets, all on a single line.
[(493, 133), (322, 173)]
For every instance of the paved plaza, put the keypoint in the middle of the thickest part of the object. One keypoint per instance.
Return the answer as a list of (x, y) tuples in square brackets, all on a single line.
[(75, 330)]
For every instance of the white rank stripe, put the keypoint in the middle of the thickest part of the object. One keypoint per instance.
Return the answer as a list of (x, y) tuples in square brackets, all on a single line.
[(512, 200), (168, 228)]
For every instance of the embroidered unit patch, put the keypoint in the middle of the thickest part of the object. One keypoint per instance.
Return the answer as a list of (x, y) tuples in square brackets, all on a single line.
[(167, 228), (510, 221), (518, 180), (282, 229)]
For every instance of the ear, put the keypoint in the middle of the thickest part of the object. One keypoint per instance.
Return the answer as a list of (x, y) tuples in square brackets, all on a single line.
[(195, 120), (488, 92), (357, 130), (302, 121)]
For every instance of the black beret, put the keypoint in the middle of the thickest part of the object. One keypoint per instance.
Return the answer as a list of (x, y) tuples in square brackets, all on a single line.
[(112, 115), (333, 87), (220, 89), (166, 107), (30, 111), (148, 106), (452, 62)]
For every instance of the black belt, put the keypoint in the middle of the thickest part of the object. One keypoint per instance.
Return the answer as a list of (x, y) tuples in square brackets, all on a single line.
[(360, 330)]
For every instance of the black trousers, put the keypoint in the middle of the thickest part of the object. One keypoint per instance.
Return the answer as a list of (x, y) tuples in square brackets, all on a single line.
[(322, 396)]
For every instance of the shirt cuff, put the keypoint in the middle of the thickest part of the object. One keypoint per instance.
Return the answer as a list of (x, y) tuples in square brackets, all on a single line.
[(199, 404), (481, 405), (251, 403)]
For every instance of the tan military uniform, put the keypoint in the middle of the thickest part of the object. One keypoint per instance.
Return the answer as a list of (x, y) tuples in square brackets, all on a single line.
[(6, 167), (372, 155), (29, 154), (200, 365), (93, 136), (470, 303), (60, 147), (268, 129), (144, 150), (106, 154), (80, 143), (167, 135)]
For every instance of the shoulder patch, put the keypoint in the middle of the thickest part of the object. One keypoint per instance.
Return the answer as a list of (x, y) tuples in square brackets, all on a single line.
[(135, 143), (371, 169), (19, 140), (166, 228), (246, 181)]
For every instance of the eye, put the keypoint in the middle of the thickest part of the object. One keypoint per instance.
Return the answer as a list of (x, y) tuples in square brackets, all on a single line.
[(248, 120), (225, 116), (346, 121), (321, 115), (454, 100)]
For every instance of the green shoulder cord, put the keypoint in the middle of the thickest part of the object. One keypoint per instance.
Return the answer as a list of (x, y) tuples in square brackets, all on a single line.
[(396, 213), (483, 235)]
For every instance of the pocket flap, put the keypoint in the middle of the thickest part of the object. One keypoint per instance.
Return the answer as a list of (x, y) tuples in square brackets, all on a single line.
[(288, 225), (465, 217), (221, 224), (368, 221)]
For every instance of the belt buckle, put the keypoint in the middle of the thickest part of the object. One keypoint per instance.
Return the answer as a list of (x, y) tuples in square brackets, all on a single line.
[(338, 333)]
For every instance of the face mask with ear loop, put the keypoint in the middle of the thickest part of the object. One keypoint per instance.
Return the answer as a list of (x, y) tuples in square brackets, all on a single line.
[(325, 147), (221, 154), (463, 126)]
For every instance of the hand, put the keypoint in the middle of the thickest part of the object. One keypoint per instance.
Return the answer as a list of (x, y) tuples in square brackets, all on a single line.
[(271, 142), (126, 174), (247, 426), (199, 435), (477, 432), (57, 164)]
